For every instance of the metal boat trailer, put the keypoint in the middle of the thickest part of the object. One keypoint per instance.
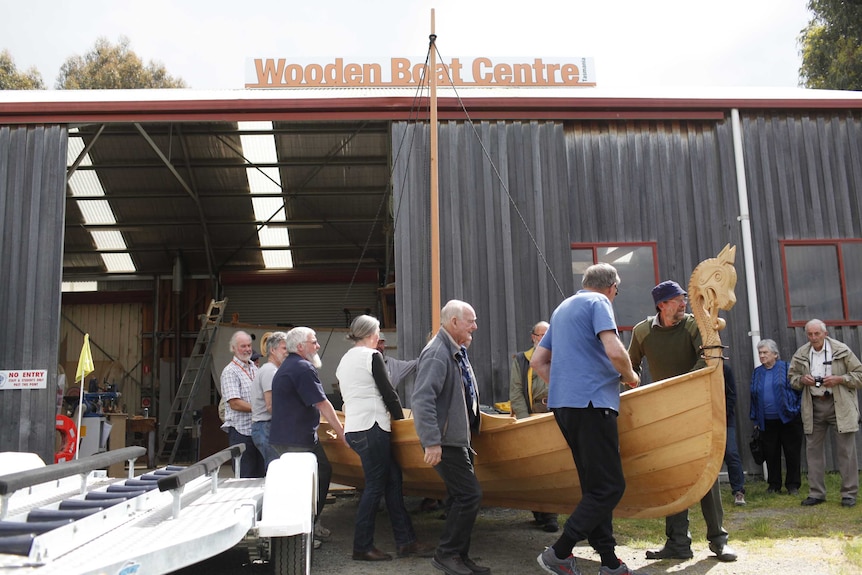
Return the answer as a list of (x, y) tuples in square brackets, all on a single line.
[(69, 518)]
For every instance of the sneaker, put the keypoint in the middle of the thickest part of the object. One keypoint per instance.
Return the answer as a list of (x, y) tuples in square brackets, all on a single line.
[(321, 532), (623, 569), (848, 502), (548, 561), (739, 498)]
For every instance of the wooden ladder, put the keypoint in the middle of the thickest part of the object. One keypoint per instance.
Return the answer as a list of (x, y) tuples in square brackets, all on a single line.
[(180, 415)]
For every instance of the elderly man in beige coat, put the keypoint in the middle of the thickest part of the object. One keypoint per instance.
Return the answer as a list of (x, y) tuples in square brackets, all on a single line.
[(828, 374)]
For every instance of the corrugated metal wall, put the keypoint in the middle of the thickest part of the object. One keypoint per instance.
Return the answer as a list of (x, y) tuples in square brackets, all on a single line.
[(672, 182), (309, 304), (32, 201), (804, 177)]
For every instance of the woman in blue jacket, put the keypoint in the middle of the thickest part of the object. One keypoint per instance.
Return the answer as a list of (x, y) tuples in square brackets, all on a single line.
[(775, 410)]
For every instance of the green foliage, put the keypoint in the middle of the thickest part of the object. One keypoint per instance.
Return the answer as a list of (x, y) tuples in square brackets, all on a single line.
[(831, 46), (12, 79), (108, 67)]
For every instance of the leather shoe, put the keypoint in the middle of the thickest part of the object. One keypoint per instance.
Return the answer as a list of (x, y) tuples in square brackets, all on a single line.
[(416, 549), (723, 551), (670, 553), (551, 526), (809, 501), (476, 568), (451, 565), (374, 555), (848, 502)]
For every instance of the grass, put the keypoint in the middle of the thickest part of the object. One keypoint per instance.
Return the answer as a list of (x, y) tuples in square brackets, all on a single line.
[(764, 519)]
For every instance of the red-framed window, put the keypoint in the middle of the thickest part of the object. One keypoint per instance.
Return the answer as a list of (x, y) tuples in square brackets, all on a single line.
[(637, 266), (823, 280)]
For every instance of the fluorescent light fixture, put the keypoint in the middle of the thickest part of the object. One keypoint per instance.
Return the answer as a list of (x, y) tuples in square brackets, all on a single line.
[(260, 149)]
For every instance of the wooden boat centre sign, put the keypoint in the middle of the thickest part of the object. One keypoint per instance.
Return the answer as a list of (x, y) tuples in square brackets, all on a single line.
[(400, 72)]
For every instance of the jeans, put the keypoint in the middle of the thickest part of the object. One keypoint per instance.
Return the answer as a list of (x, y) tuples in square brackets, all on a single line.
[(734, 463), (382, 479), (251, 462), (260, 436), (324, 468), (593, 437), (465, 495)]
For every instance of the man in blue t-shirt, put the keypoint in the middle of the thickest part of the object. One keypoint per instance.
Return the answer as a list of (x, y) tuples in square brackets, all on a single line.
[(583, 359), (298, 400)]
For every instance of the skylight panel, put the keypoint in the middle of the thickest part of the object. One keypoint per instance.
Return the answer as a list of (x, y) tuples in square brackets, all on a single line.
[(86, 184), (265, 180), (97, 212), (108, 240), (118, 262), (79, 286)]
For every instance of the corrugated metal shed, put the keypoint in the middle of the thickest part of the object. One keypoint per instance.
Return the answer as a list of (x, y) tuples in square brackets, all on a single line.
[(575, 166)]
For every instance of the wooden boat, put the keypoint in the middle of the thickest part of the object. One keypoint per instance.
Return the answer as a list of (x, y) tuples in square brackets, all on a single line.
[(672, 434)]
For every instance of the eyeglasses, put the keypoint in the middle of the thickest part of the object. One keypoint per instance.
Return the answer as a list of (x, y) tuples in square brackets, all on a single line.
[(617, 288), (537, 334)]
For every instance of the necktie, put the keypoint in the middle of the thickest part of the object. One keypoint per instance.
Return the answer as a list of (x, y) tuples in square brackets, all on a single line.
[(469, 385)]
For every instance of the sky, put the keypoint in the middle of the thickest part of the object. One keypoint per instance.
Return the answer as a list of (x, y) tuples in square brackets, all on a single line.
[(634, 43)]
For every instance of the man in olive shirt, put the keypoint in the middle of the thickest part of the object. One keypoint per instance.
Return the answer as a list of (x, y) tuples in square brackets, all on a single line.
[(670, 341)]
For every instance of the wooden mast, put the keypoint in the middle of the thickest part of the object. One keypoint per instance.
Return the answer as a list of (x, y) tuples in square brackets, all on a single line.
[(435, 202)]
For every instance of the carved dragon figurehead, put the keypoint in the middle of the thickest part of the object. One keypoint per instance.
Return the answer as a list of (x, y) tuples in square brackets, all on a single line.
[(709, 290)]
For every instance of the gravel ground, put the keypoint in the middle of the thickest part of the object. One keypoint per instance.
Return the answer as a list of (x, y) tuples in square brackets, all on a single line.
[(505, 540)]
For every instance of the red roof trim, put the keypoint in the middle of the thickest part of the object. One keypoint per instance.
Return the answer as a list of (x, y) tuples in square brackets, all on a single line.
[(395, 108)]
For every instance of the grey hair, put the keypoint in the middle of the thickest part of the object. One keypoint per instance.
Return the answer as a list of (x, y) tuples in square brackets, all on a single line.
[(818, 322), (235, 337), (600, 276), (543, 324), (362, 326), (453, 308), (297, 336), (273, 341), (768, 345)]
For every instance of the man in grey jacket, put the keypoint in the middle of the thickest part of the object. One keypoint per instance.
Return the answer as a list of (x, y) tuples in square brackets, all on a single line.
[(446, 412), (828, 374)]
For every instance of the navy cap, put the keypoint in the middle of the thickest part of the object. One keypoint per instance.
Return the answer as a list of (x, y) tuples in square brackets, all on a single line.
[(255, 356), (665, 291)]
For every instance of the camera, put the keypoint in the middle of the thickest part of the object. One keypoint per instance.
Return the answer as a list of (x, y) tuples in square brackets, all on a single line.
[(818, 381)]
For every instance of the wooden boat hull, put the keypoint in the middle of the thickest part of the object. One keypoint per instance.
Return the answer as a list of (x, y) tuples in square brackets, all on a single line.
[(672, 441)]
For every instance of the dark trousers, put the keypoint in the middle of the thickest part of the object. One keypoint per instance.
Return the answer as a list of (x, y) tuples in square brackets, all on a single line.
[(324, 468), (382, 479), (465, 495), (676, 526), (594, 440), (251, 463), (781, 437)]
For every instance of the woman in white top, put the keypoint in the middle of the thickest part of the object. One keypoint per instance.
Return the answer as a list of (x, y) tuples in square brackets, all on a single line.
[(370, 404)]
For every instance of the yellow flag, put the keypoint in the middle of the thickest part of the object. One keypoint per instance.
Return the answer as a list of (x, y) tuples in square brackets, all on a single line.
[(85, 362)]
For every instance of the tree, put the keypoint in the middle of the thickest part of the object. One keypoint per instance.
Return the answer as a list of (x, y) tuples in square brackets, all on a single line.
[(109, 67), (831, 46), (12, 79)]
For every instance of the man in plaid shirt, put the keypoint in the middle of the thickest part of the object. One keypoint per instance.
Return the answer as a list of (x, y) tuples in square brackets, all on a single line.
[(236, 379)]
